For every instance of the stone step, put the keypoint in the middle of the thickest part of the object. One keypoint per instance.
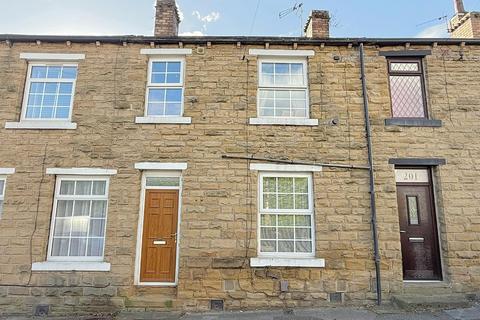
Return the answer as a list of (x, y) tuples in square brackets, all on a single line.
[(421, 301), (150, 302), (427, 289)]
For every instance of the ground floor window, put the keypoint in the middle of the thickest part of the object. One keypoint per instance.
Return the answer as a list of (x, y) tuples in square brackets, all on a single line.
[(286, 225), (79, 219)]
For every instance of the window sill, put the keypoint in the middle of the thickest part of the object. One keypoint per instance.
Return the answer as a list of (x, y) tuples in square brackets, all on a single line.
[(47, 125), (284, 121), (164, 120), (413, 122), (71, 266), (287, 262)]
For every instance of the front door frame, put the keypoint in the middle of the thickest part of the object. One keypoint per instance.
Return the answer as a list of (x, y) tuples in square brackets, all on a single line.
[(435, 211), (138, 255)]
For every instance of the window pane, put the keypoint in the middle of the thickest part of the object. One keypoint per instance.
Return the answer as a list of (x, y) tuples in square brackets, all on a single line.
[(270, 201), (83, 188), (2, 187), (269, 220), (286, 246), (69, 73), (267, 68), (285, 201), (80, 226), (78, 247), (174, 95), (173, 78), (174, 67), (37, 87), (46, 113), (303, 246), (405, 66), (159, 67), (269, 184), (281, 68), (285, 220), (301, 185), (81, 208), (62, 227), (95, 247), (156, 95), (163, 182), (51, 87), (99, 188), (301, 201), (173, 109), (285, 185), (60, 247), (97, 228), (67, 187), (268, 246), (303, 221), (268, 233), (407, 97), (286, 233), (156, 109), (66, 88), (412, 210), (64, 208), (303, 233), (99, 209), (54, 72), (64, 100), (297, 69), (39, 72)]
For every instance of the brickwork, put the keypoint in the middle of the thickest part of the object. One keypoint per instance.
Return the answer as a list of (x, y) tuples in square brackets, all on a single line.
[(166, 18), (318, 24), (219, 198), (465, 25)]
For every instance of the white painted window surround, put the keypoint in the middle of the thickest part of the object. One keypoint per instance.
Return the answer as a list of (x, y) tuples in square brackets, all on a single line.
[(3, 185), (41, 124), (5, 171), (52, 56), (287, 262), (71, 266), (284, 167), (165, 51), (281, 53), (81, 171), (161, 166), (163, 120), (284, 121)]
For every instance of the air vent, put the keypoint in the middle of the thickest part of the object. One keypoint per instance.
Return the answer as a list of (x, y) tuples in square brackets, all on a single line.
[(200, 50), (42, 310), (336, 297), (216, 305)]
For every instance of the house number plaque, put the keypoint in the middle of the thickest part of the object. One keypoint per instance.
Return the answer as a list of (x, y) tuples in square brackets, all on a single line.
[(411, 175)]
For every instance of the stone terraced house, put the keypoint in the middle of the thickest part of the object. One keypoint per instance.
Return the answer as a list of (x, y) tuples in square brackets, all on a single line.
[(197, 173)]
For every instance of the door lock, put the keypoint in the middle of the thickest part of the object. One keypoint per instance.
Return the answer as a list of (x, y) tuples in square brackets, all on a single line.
[(402, 231)]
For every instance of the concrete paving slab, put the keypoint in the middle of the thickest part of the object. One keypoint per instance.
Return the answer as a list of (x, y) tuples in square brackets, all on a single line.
[(472, 313)]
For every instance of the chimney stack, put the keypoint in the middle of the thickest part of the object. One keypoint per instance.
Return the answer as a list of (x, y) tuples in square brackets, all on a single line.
[(318, 25), (459, 8), (167, 19), (464, 24)]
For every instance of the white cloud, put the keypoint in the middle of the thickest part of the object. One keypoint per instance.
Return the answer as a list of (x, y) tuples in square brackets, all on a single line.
[(209, 18), (436, 31), (192, 34)]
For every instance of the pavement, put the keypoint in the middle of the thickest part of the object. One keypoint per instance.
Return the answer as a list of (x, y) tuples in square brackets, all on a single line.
[(339, 313)]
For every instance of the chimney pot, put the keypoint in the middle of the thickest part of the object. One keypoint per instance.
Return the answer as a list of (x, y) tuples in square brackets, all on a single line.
[(167, 19), (318, 24)]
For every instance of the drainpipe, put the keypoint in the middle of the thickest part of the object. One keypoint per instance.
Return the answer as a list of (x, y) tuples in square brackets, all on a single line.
[(372, 177)]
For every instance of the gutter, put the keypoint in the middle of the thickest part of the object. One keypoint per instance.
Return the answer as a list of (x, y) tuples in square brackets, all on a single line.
[(373, 206), (138, 39)]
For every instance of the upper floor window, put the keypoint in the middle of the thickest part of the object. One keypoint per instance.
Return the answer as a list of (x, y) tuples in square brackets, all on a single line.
[(79, 219), (49, 91), (283, 89), (165, 88), (407, 88), (286, 215)]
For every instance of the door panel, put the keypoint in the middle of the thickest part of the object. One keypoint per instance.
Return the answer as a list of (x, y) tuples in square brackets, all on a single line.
[(159, 242), (418, 232)]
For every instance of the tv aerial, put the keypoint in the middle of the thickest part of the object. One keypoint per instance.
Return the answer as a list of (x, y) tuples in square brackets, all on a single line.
[(297, 9)]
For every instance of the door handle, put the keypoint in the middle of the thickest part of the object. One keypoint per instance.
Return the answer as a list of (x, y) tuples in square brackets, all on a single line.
[(159, 242), (402, 231)]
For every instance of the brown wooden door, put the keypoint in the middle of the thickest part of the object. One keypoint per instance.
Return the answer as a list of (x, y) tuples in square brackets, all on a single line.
[(159, 247), (418, 232)]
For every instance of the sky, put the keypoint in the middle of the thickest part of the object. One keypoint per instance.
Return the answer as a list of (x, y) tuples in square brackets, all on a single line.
[(350, 18)]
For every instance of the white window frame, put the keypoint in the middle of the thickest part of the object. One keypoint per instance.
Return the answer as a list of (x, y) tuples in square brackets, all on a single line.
[(59, 180), (166, 119), (285, 57), (52, 123), (2, 193), (310, 211)]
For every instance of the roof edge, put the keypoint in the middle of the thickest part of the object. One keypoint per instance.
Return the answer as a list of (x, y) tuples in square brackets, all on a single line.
[(234, 40)]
